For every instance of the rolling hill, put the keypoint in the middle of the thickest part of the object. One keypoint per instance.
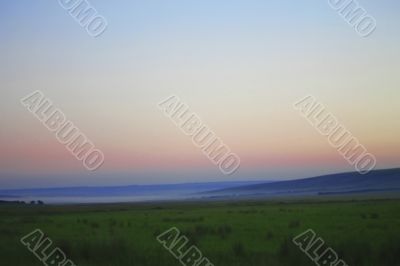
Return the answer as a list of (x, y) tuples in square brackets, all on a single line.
[(377, 181)]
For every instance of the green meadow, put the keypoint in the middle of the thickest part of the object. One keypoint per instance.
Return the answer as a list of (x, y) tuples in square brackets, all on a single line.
[(365, 232)]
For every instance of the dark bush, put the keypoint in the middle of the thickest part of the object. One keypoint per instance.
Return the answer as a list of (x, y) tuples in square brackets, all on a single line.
[(238, 249), (294, 224)]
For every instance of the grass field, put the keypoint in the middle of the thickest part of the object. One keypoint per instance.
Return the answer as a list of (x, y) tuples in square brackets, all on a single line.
[(228, 233)]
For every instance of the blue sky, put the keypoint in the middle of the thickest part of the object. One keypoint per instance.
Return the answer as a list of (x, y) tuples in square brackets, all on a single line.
[(238, 64)]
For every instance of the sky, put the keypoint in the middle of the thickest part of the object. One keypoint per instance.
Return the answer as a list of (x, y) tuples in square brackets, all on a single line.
[(239, 65)]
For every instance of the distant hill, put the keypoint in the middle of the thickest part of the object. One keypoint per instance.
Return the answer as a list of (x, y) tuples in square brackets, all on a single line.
[(381, 181)]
